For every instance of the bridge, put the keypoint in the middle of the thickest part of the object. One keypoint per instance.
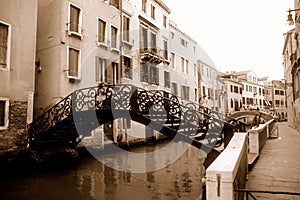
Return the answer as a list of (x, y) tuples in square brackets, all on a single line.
[(85, 109)]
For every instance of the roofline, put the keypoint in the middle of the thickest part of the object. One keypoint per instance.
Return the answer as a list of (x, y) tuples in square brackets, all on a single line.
[(164, 6), (174, 26)]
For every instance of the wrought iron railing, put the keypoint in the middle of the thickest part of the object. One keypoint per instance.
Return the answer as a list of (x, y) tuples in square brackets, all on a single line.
[(250, 193), (191, 116)]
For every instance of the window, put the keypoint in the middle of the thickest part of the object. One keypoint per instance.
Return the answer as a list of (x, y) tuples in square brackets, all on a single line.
[(167, 79), (4, 112), (75, 20), (236, 89), (4, 45), (231, 88), (174, 89), (173, 60), (127, 67), (277, 103), (165, 50), (101, 31), (153, 42), (172, 35), (195, 70), (126, 28), (183, 42), (196, 95), (203, 91), (149, 74), (152, 12), (187, 67), (182, 64), (144, 74), (154, 75), (114, 32), (100, 69), (73, 63), (185, 92), (114, 3), (144, 38), (165, 21), (144, 5), (126, 123)]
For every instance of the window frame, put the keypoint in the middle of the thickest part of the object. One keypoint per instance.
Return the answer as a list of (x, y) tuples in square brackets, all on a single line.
[(8, 49), (104, 43), (70, 32), (152, 14), (79, 63), (100, 69), (128, 74), (6, 113), (126, 39), (116, 37), (167, 79)]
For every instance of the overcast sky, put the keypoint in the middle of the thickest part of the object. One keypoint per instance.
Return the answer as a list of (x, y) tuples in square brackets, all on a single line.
[(237, 34)]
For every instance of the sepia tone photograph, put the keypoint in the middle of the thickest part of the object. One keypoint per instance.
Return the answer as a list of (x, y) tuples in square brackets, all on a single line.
[(149, 99)]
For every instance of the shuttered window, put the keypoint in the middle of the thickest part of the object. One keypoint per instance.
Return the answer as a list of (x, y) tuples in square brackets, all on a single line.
[(74, 64), (2, 113), (101, 31), (126, 27), (74, 18), (3, 44)]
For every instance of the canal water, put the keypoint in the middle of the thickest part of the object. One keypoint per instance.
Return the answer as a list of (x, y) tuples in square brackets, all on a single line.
[(85, 178)]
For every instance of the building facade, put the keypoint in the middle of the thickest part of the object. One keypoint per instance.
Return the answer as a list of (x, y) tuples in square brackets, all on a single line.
[(233, 88), (291, 64), (246, 91), (212, 86), (17, 71)]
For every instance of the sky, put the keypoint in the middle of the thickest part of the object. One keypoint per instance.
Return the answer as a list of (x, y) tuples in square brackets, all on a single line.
[(238, 35)]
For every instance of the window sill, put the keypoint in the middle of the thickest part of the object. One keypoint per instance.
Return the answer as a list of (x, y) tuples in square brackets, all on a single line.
[(2, 128), (70, 33), (102, 44), (129, 44), (115, 50), (72, 78), (4, 69)]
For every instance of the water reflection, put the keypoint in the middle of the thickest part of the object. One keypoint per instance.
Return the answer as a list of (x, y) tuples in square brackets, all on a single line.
[(88, 179)]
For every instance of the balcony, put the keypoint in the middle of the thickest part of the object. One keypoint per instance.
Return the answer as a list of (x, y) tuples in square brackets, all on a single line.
[(153, 55)]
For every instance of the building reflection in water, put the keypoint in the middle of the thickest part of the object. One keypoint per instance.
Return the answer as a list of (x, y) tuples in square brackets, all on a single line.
[(88, 178)]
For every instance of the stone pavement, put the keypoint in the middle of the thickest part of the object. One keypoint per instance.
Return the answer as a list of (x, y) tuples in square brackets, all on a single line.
[(278, 166)]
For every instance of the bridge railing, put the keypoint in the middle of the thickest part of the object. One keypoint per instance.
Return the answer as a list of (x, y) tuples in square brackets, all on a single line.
[(259, 135), (228, 172), (129, 97)]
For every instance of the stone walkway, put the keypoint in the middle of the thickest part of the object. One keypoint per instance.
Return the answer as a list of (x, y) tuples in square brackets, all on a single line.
[(278, 167)]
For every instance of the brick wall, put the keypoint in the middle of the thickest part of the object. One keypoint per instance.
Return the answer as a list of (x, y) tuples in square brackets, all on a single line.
[(14, 138)]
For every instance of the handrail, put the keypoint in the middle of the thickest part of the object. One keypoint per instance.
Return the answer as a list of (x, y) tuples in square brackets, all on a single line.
[(44, 122), (250, 191)]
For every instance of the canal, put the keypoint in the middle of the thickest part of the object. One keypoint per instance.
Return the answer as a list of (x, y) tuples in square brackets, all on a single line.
[(85, 178)]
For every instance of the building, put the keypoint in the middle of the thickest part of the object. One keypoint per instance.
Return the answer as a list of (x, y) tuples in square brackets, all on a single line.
[(246, 91), (233, 88), (183, 57), (18, 22), (279, 100), (211, 86)]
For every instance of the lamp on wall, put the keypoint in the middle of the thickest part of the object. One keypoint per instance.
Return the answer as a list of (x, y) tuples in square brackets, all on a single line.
[(290, 16)]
